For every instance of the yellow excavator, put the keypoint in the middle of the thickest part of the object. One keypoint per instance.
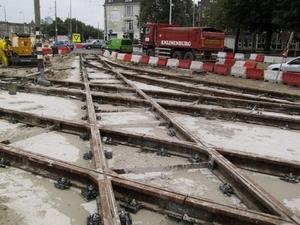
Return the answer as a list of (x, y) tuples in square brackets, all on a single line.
[(23, 50)]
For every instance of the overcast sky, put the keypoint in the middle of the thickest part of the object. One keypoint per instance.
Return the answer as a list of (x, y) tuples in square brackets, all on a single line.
[(89, 12)]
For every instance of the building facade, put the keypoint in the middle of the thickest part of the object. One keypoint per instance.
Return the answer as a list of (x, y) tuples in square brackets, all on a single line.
[(9, 28), (121, 19)]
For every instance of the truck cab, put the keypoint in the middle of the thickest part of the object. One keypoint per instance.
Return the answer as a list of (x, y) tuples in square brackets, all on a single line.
[(149, 36)]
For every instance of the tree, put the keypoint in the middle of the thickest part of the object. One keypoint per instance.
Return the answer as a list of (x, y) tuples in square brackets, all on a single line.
[(247, 15), (286, 15), (159, 11), (63, 29)]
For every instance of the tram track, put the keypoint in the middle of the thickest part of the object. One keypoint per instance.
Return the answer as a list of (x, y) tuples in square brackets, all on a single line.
[(260, 206), (164, 78)]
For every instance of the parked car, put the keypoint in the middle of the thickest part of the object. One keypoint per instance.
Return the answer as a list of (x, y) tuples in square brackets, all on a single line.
[(94, 44), (122, 45), (289, 66), (63, 43)]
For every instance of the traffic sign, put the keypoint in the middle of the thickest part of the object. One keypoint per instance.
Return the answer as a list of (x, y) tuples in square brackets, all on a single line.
[(110, 31), (76, 38)]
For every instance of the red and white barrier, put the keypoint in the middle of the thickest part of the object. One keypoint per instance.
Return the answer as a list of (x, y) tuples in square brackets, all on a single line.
[(238, 71), (120, 56), (239, 63), (221, 55), (172, 63), (153, 60), (184, 64), (269, 59), (271, 75), (224, 66), (220, 61), (136, 58), (196, 65), (239, 56), (252, 56)]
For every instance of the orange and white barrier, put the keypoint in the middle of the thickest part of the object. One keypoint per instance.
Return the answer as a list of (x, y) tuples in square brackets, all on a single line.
[(271, 75), (172, 63), (136, 58), (153, 60), (224, 66), (238, 71)]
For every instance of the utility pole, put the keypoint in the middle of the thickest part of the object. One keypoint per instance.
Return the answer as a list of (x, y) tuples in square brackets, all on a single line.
[(38, 38), (71, 17), (55, 23), (170, 15), (98, 30)]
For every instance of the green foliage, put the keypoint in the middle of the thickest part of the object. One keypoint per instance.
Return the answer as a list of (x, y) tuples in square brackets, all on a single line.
[(63, 28), (158, 11), (255, 16), (286, 15)]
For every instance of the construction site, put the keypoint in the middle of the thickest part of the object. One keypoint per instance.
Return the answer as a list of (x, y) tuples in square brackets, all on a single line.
[(103, 141)]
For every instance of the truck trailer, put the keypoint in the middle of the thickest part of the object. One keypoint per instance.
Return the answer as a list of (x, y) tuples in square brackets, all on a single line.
[(173, 41)]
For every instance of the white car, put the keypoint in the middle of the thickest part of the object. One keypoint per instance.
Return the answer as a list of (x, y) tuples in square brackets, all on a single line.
[(289, 66)]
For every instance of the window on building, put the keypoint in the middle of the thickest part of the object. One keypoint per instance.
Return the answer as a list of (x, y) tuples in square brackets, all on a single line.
[(129, 10), (129, 25)]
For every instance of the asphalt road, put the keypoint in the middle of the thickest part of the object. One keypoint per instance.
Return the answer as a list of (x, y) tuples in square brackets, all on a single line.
[(136, 50)]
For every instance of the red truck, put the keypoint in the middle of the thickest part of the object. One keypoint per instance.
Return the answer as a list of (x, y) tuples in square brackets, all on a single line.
[(178, 42)]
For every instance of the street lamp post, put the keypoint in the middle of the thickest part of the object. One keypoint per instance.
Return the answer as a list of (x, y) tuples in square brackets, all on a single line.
[(24, 21), (193, 13), (98, 30), (4, 18)]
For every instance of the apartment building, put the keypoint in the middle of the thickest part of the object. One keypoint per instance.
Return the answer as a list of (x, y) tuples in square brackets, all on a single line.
[(121, 19)]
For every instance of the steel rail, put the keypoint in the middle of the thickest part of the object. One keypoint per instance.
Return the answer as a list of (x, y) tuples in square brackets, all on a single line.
[(194, 109), (108, 205)]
